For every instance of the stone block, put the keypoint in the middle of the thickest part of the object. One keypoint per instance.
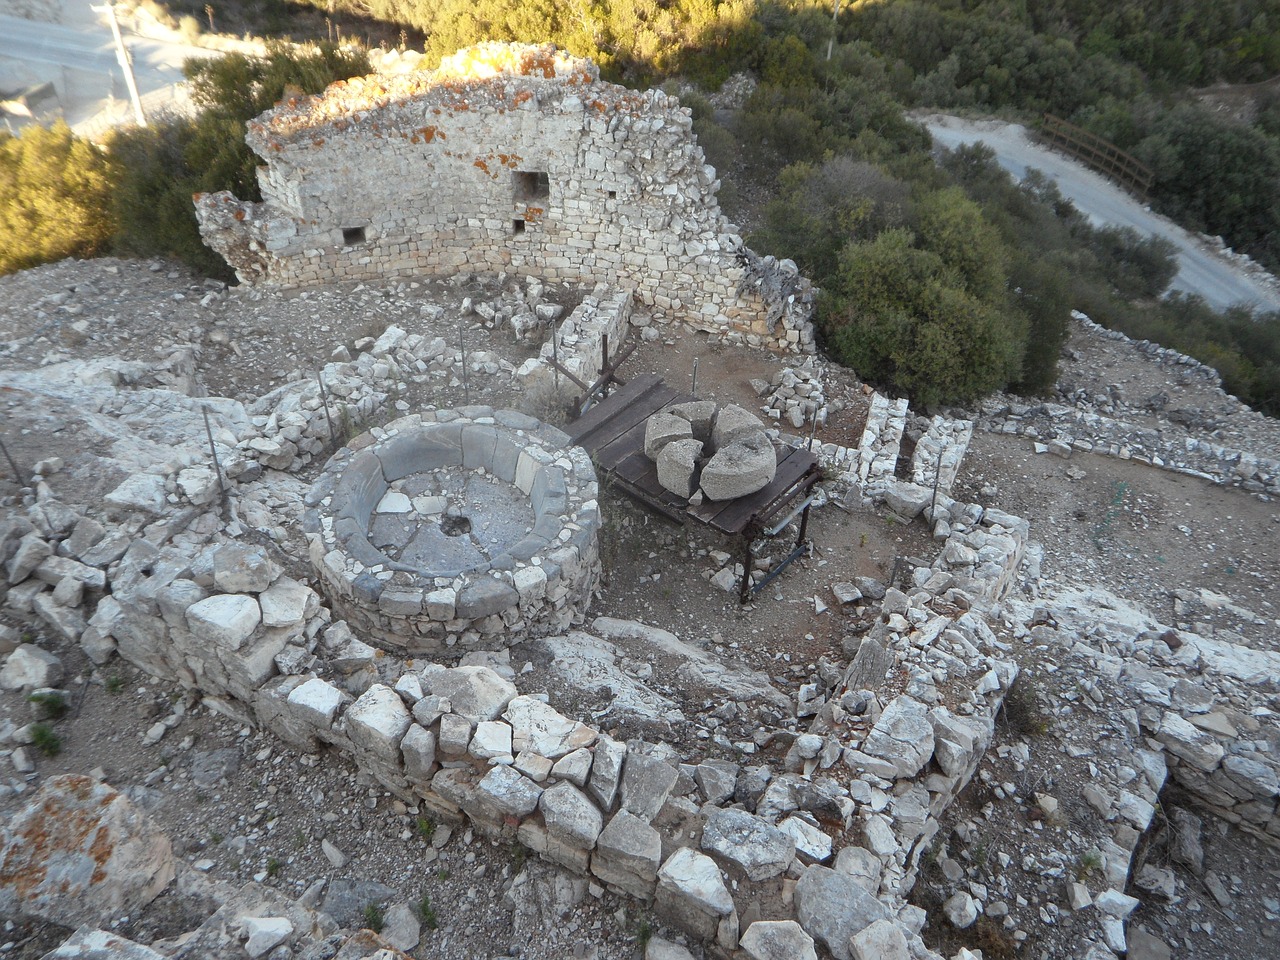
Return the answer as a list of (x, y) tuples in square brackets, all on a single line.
[(733, 422), (418, 748), (739, 468), (476, 693), (833, 907), (377, 722), (677, 465), (570, 817), (646, 784), (752, 845), (691, 893), (485, 596), (226, 620), (541, 729), (508, 792), (663, 428), (777, 940)]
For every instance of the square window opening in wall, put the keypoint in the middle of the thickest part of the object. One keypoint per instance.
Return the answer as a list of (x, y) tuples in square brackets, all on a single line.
[(531, 185), (613, 194), (352, 235), (517, 226)]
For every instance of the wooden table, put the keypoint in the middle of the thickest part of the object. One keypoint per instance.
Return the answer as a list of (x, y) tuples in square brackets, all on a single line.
[(612, 432)]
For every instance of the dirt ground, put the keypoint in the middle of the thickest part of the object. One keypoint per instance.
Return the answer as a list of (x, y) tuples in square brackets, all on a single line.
[(1140, 532)]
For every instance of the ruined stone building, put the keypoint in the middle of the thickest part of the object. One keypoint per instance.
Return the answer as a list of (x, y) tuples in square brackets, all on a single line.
[(508, 158)]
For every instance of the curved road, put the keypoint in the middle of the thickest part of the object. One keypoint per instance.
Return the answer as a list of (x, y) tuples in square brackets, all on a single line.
[(81, 62), (1202, 270)]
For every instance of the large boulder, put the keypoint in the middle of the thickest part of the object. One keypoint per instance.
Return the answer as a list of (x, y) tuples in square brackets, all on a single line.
[(81, 853)]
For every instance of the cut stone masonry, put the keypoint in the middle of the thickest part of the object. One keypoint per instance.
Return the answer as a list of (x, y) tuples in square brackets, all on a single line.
[(508, 158)]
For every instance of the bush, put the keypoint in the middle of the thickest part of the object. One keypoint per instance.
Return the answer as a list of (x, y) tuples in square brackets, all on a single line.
[(55, 191), (163, 165), (900, 315)]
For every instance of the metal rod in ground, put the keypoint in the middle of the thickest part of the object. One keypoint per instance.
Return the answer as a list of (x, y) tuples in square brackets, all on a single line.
[(555, 355), (694, 388), (17, 475), (324, 398), (213, 452), (462, 345), (813, 430)]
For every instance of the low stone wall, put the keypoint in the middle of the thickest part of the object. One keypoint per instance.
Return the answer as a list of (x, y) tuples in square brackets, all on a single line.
[(540, 584), (579, 340), (881, 439), (938, 454), (1060, 429)]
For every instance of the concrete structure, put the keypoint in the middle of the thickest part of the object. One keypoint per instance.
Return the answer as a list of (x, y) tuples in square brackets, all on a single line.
[(507, 159)]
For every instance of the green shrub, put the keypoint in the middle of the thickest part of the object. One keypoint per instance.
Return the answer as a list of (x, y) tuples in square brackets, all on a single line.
[(55, 193), (45, 740)]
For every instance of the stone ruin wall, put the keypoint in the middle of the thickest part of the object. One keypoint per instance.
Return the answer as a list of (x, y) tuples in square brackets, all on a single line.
[(508, 159)]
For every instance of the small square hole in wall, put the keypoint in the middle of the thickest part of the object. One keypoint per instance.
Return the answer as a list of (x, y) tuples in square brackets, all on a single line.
[(517, 226), (531, 185), (613, 194), (352, 235)]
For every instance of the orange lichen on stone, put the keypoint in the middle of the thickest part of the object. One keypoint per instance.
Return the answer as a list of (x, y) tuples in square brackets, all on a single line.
[(480, 163), (238, 215)]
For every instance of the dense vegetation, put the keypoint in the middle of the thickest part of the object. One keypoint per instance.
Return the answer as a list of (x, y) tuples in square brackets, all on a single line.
[(53, 198), (940, 281)]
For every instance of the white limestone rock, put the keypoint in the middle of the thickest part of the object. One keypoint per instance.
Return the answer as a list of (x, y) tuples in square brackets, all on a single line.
[(691, 893), (833, 907), (476, 693), (316, 701), (882, 940), (30, 668), (378, 721), (778, 940), (543, 730), (81, 853), (902, 736), (287, 603), (265, 934), (753, 845), (225, 619)]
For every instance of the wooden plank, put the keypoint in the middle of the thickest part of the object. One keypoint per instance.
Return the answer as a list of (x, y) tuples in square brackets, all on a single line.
[(611, 454), (602, 411), (638, 476), (627, 415)]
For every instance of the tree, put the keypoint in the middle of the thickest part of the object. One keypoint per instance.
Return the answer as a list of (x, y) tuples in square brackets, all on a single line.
[(898, 314), (54, 197)]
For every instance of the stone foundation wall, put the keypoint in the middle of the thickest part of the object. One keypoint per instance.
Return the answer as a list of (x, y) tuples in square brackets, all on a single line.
[(541, 584), (508, 159)]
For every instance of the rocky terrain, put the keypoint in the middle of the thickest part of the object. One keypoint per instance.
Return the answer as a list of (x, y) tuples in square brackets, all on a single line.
[(1115, 548)]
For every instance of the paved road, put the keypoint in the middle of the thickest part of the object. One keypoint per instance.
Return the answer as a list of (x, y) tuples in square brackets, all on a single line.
[(1201, 269), (81, 62)]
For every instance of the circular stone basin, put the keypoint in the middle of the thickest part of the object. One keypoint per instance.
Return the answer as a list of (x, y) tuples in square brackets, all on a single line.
[(465, 529)]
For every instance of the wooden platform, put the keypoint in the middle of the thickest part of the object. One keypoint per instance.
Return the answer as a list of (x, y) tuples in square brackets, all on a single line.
[(612, 432)]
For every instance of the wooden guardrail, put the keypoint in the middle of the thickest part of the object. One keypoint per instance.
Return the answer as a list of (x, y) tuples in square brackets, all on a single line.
[(1101, 155)]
